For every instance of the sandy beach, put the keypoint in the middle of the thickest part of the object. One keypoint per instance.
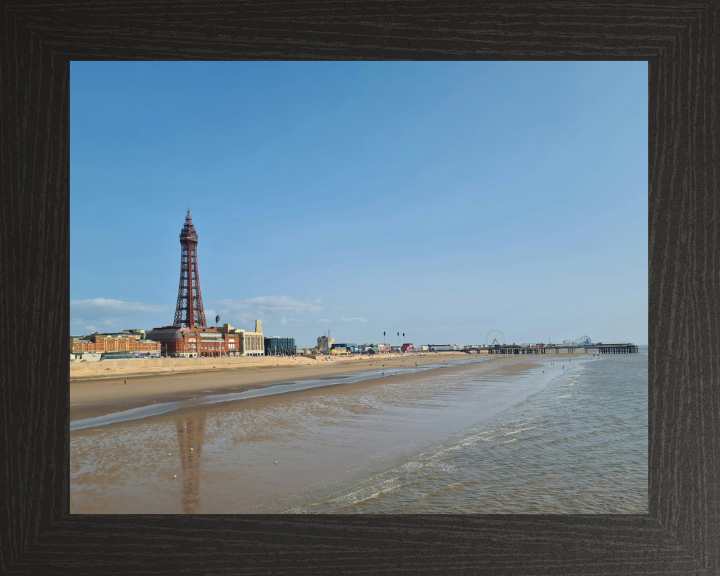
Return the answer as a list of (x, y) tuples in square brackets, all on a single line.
[(101, 381), (138, 382), (101, 391), (317, 433)]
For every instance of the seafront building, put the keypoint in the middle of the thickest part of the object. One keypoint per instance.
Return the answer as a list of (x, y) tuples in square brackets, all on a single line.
[(325, 344), (444, 347), (129, 343), (251, 343), (201, 342), (349, 347), (196, 342), (275, 346)]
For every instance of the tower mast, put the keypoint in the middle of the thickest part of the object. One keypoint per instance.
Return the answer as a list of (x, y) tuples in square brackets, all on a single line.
[(189, 311)]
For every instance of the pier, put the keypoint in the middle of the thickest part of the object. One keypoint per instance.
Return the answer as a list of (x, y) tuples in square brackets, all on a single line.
[(508, 349), (615, 348), (599, 348)]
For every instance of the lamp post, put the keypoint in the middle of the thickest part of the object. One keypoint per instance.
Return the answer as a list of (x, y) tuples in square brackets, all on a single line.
[(383, 338)]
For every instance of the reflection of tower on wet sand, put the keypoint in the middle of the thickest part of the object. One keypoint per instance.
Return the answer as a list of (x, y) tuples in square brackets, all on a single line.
[(191, 433)]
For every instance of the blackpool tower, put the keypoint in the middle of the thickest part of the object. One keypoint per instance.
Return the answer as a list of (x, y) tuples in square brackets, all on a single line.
[(189, 311)]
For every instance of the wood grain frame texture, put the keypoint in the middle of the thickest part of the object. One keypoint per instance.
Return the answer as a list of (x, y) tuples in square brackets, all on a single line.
[(679, 40)]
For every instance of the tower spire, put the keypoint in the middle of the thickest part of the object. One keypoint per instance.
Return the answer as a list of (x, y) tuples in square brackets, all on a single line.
[(189, 311)]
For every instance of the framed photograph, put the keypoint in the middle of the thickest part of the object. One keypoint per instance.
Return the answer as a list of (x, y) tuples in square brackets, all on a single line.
[(362, 382), (253, 370)]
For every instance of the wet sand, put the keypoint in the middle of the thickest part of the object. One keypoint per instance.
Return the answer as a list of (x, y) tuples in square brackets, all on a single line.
[(219, 458), (103, 394), (229, 386), (128, 391)]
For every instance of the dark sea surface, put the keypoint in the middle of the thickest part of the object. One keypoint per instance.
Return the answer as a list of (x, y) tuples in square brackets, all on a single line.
[(579, 446)]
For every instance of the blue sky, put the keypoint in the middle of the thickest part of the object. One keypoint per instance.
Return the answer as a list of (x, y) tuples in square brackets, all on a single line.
[(443, 200)]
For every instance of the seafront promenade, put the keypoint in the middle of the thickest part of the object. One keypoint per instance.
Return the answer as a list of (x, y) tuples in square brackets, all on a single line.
[(104, 369), (111, 368)]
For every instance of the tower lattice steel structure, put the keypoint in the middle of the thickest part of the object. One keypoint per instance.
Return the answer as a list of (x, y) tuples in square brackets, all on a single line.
[(189, 311)]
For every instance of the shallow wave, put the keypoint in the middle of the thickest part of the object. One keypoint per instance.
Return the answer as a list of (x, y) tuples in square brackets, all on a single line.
[(447, 489), (524, 430), (579, 455), (512, 441)]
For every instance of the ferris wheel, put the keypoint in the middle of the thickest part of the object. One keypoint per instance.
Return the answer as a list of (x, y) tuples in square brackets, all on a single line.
[(495, 337)]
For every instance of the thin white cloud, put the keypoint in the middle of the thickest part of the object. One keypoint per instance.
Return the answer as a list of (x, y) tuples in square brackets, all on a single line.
[(343, 319), (270, 304), (324, 320), (96, 314), (283, 321), (105, 306), (247, 318)]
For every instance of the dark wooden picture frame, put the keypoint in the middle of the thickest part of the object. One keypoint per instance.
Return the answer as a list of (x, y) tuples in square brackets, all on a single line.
[(679, 40)]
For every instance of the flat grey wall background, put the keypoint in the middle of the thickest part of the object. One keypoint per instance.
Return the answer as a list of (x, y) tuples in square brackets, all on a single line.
[(680, 42)]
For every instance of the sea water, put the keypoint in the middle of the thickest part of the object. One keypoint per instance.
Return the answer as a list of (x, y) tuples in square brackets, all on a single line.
[(579, 446)]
